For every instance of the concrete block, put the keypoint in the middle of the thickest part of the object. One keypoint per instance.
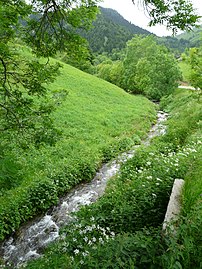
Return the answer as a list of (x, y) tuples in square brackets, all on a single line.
[(174, 205)]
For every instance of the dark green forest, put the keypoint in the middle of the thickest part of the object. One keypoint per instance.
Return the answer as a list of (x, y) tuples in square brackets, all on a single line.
[(111, 31)]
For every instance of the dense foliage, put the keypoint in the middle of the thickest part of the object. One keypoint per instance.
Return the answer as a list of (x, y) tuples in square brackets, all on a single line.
[(111, 31), (24, 108), (175, 44), (49, 26), (147, 68), (195, 61), (174, 14), (191, 63), (97, 121)]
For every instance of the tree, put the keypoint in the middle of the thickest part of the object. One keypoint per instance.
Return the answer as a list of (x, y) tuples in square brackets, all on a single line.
[(195, 61), (111, 71), (149, 68), (46, 26), (176, 14)]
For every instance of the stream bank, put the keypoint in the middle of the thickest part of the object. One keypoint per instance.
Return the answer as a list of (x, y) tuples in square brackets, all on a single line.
[(33, 237)]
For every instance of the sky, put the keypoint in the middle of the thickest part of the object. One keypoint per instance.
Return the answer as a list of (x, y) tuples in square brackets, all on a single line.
[(136, 15)]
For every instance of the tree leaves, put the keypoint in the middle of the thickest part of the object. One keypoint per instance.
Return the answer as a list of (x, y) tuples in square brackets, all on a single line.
[(175, 14), (53, 24), (149, 68), (46, 26)]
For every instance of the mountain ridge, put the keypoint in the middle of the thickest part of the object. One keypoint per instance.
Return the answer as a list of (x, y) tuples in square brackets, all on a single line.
[(111, 31)]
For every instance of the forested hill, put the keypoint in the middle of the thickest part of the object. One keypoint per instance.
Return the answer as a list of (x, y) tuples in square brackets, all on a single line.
[(111, 31), (183, 41), (193, 37)]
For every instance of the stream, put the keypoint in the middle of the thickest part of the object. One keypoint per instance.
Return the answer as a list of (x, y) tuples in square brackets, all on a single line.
[(31, 238)]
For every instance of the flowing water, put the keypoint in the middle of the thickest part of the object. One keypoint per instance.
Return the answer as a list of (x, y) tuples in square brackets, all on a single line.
[(29, 241)]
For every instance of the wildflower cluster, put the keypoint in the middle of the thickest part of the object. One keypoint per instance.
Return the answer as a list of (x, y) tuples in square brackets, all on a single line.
[(155, 165), (80, 239), (139, 195)]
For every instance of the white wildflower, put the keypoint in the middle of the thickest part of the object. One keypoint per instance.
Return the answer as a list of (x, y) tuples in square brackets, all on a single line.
[(84, 254), (101, 240), (112, 234), (158, 179), (76, 251), (89, 228)]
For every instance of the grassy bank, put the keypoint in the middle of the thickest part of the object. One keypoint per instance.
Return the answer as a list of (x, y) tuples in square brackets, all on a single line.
[(123, 229), (97, 121)]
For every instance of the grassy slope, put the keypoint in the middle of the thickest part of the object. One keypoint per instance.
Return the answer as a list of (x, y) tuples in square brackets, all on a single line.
[(98, 120)]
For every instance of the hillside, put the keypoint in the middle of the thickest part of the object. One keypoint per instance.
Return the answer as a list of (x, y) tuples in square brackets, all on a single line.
[(193, 37), (111, 31), (177, 45), (97, 121)]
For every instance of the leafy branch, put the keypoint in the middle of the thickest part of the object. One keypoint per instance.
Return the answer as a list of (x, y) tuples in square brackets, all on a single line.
[(175, 14)]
